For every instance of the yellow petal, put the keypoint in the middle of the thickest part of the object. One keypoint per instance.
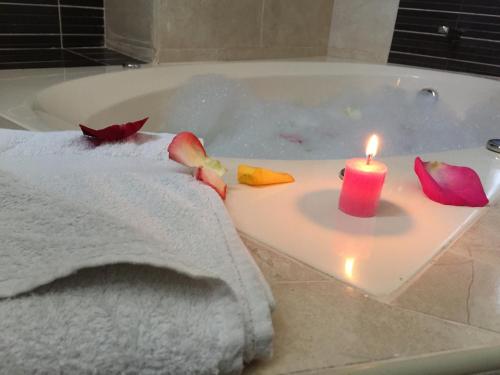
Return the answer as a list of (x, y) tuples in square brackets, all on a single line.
[(256, 176)]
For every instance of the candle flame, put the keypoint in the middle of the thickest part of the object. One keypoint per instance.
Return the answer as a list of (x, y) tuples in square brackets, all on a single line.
[(372, 146), (349, 267)]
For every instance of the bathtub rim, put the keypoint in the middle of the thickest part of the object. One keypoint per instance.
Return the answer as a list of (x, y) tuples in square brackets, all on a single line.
[(116, 90), (19, 88)]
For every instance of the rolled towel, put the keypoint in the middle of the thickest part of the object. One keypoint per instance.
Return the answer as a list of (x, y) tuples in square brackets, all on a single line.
[(121, 264)]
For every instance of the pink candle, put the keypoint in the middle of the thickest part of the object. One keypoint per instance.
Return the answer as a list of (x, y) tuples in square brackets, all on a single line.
[(363, 182)]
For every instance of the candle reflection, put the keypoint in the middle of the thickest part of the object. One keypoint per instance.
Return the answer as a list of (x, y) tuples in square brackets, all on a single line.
[(349, 267)]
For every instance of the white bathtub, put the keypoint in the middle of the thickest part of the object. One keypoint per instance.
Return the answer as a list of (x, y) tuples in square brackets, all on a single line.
[(377, 255), (121, 96)]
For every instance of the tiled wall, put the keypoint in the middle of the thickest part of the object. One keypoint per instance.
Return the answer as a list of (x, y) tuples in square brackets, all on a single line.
[(182, 30), (51, 24), (362, 29), (130, 27), (472, 44)]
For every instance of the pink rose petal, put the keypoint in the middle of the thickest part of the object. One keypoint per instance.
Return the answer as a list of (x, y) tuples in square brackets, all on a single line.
[(449, 184), (187, 149), (210, 178)]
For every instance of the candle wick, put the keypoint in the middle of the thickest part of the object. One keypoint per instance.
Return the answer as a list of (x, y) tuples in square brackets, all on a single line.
[(369, 159)]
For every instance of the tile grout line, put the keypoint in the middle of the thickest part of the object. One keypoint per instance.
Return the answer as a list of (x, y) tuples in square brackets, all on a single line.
[(478, 260), (454, 322), (444, 36), (293, 282), (60, 23), (104, 22), (469, 293), (442, 58), (45, 34), (84, 57), (266, 247), (261, 36), (450, 12), (48, 5)]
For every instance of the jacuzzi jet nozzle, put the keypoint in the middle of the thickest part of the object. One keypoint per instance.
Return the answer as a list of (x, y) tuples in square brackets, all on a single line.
[(493, 145), (131, 66), (429, 92)]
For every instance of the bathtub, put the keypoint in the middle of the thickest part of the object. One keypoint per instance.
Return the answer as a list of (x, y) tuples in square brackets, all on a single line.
[(410, 230), (121, 96), (379, 256)]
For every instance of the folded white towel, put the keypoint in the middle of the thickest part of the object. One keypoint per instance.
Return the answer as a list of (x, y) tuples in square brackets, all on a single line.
[(30, 144), (66, 206)]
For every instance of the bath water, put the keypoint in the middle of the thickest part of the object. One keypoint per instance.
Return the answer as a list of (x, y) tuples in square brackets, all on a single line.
[(234, 122)]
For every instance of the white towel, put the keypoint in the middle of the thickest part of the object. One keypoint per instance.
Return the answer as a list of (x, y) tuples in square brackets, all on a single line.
[(134, 217)]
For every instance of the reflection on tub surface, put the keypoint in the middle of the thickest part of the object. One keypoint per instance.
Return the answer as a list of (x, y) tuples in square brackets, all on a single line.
[(321, 207)]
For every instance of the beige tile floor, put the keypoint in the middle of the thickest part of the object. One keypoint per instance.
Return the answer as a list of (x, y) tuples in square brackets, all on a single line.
[(321, 323), (464, 284)]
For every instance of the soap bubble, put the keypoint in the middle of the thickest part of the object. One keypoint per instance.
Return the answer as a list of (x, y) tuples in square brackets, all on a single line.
[(234, 122)]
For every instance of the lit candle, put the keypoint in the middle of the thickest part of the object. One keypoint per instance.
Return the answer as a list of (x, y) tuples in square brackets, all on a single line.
[(363, 182)]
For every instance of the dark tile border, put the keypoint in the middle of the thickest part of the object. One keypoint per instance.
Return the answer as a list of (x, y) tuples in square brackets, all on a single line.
[(416, 40), (51, 23), (58, 58)]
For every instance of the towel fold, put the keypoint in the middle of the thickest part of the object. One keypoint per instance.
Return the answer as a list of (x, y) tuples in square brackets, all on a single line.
[(115, 260)]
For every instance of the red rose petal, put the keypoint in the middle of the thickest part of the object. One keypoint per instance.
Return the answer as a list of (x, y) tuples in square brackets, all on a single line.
[(450, 184), (114, 132), (210, 178), (187, 149)]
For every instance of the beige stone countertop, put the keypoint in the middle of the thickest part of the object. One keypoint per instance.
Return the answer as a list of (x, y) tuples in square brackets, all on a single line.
[(323, 326)]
